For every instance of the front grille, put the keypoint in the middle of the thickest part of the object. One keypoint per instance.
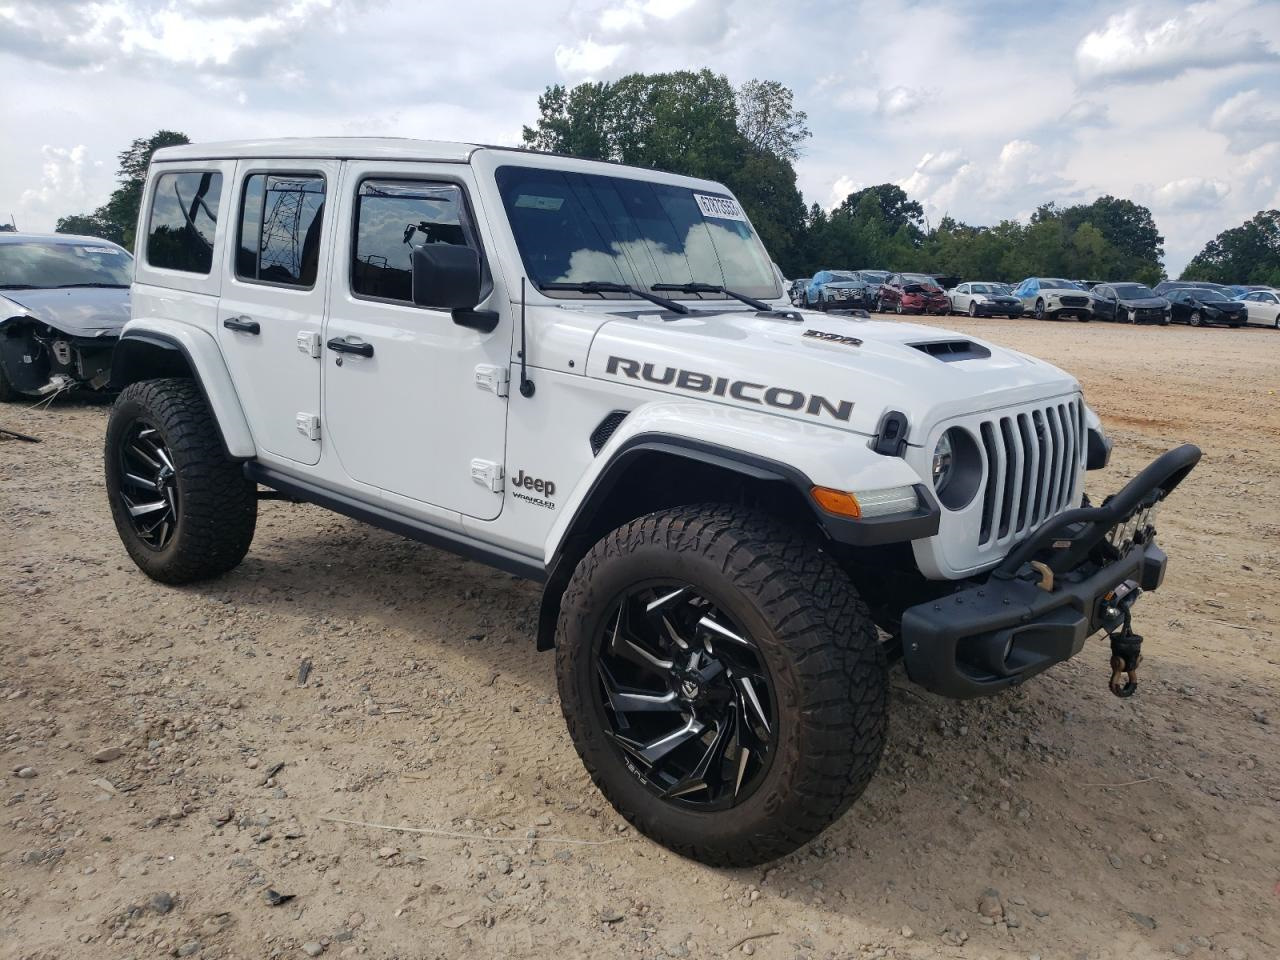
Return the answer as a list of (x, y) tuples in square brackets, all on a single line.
[(1074, 301), (1033, 468)]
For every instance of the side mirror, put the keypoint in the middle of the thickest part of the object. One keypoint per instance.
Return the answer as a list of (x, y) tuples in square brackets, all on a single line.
[(448, 277)]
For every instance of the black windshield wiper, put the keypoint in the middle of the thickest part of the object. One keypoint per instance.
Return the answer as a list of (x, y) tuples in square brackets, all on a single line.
[(63, 286), (604, 286), (713, 288)]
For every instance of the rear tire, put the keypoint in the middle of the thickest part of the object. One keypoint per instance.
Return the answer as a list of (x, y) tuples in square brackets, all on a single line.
[(825, 681), (183, 509)]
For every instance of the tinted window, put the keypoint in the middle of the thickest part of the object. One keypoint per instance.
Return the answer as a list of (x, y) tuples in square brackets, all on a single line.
[(578, 227), (1211, 295), (280, 221), (393, 217), (1134, 291), (45, 265), (184, 217)]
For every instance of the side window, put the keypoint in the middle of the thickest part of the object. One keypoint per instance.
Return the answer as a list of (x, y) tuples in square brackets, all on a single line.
[(392, 218), (280, 220), (184, 218)]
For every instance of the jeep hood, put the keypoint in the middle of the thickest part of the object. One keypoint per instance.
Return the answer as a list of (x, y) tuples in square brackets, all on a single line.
[(776, 365), (78, 311)]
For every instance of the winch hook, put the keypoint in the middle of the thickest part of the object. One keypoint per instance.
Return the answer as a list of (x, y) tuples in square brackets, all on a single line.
[(1126, 656)]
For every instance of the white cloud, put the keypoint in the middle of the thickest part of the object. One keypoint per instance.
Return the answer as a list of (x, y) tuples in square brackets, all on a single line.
[(62, 173), (1190, 193), (1086, 113), (1248, 120), (586, 58), (1150, 42), (899, 101)]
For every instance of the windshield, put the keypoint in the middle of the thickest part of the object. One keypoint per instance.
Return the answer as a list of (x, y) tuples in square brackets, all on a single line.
[(873, 276), (1208, 294), (1133, 291), (578, 228), (33, 264), (1049, 283), (981, 288), (838, 277)]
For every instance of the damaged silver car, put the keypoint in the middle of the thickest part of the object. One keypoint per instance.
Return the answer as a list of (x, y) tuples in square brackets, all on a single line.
[(63, 301)]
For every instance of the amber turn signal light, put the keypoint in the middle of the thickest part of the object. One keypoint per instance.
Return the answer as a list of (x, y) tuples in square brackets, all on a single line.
[(840, 502)]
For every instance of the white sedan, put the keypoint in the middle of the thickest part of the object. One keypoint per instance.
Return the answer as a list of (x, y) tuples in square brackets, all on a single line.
[(1263, 307)]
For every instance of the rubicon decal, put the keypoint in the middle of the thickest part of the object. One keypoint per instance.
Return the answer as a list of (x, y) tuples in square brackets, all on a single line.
[(815, 405)]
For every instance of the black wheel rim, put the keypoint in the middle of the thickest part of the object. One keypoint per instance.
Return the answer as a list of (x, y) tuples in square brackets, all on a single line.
[(148, 489), (686, 697)]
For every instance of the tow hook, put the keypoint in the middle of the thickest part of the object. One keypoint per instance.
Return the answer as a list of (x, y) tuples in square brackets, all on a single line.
[(1126, 656)]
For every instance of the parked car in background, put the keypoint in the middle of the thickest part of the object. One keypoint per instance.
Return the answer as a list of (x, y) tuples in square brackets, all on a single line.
[(1204, 307), (983, 298), (795, 292), (911, 293), (1164, 286), (1129, 303), (873, 278), (836, 290), (1054, 298), (63, 301), (1262, 308)]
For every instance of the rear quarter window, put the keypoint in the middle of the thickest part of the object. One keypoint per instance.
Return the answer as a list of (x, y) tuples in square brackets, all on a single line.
[(183, 220)]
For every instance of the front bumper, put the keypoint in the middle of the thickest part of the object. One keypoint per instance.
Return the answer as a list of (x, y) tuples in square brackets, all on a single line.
[(998, 309), (1050, 594)]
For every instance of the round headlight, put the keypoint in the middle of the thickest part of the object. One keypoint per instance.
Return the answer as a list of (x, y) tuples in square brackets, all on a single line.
[(957, 468), (943, 462)]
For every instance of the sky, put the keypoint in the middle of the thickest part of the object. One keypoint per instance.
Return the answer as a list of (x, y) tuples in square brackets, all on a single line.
[(981, 110)]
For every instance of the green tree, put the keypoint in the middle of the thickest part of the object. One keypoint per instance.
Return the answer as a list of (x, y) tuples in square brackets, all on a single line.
[(768, 119), (117, 219), (90, 225), (1249, 253)]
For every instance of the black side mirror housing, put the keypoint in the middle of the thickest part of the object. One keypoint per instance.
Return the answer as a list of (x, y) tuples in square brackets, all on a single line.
[(448, 277)]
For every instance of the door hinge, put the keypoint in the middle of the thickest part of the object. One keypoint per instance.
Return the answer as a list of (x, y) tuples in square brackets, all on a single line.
[(308, 425), (487, 474), (492, 378), (309, 343)]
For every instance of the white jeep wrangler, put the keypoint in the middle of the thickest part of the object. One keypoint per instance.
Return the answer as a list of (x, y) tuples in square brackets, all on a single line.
[(589, 375)]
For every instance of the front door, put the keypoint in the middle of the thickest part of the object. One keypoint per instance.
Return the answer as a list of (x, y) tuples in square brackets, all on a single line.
[(414, 404), (272, 307)]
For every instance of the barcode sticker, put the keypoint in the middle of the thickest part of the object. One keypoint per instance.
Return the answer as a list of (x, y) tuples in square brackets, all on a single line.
[(721, 208)]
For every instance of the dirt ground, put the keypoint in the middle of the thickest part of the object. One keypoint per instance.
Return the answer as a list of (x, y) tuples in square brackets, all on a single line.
[(1102, 828)]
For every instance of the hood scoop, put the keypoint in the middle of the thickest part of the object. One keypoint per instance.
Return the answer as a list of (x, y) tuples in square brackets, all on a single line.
[(952, 351)]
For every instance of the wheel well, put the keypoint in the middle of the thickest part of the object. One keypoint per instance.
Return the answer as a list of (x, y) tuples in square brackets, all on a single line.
[(137, 359), (654, 480)]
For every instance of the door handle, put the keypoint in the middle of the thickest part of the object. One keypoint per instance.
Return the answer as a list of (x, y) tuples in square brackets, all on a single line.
[(344, 346), (242, 324)]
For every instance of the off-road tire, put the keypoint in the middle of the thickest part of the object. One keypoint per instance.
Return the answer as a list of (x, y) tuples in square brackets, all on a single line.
[(817, 637), (8, 392), (219, 506)]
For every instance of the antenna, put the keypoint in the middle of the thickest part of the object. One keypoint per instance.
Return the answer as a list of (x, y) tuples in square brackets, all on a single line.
[(526, 385)]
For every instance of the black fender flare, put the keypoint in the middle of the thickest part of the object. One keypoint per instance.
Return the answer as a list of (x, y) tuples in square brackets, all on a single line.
[(864, 532)]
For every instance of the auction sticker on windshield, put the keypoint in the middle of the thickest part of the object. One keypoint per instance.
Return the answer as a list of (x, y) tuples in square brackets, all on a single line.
[(721, 208)]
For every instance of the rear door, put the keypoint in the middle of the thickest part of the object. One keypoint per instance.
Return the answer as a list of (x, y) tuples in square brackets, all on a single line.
[(273, 301)]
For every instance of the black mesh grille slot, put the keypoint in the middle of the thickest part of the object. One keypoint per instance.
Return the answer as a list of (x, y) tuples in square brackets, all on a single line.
[(604, 429), (1012, 473), (988, 488)]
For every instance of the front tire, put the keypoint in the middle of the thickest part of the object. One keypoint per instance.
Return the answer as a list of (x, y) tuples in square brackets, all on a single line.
[(8, 392), (183, 509), (1196, 320), (1039, 309), (783, 719), (973, 309)]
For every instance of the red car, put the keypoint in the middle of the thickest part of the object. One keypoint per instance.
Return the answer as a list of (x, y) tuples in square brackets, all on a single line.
[(912, 293)]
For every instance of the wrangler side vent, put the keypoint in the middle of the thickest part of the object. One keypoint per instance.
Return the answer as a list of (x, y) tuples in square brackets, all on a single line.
[(604, 429), (952, 351)]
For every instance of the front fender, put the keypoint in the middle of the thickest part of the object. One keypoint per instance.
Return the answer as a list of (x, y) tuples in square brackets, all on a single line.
[(136, 359), (755, 444)]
